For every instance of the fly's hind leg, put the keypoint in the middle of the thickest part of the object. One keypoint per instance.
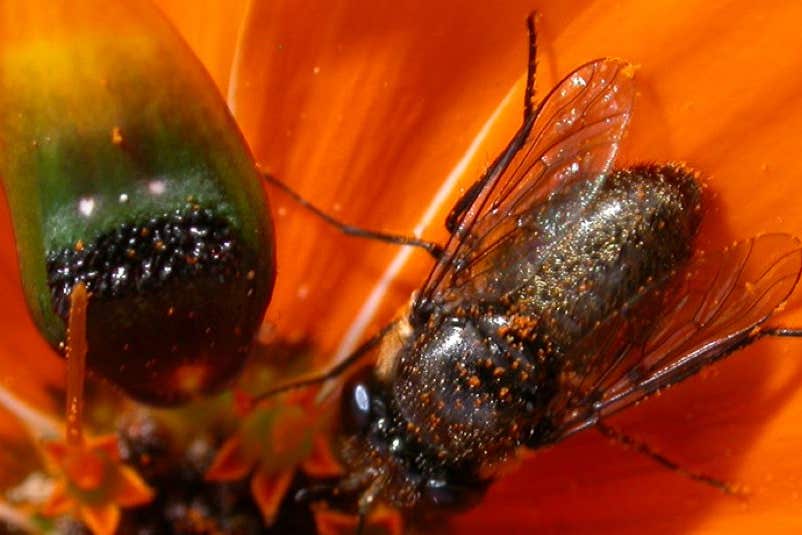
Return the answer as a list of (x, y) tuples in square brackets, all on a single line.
[(780, 332), (647, 451)]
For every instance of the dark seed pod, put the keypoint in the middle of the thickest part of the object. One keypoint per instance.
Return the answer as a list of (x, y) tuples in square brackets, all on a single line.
[(125, 171)]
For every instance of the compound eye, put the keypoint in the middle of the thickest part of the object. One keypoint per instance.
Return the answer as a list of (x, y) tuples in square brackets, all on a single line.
[(440, 494), (356, 402)]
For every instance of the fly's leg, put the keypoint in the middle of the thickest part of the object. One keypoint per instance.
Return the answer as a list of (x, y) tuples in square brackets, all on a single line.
[(529, 95), (464, 203), (432, 248), (647, 451), (780, 332)]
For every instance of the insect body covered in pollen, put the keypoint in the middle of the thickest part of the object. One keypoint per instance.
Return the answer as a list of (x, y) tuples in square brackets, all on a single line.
[(567, 291), (489, 359)]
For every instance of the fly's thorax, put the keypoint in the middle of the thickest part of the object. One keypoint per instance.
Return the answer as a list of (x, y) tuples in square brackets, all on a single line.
[(465, 392)]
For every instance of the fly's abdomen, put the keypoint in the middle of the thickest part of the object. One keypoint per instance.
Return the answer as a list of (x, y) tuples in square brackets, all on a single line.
[(629, 240)]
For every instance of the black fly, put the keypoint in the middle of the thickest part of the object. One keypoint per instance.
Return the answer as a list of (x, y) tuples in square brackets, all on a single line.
[(566, 292)]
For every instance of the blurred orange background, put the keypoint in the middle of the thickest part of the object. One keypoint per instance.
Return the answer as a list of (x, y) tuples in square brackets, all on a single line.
[(366, 107)]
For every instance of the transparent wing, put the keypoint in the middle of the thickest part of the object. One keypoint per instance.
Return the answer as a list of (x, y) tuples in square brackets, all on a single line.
[(573, 135), (715, 308)]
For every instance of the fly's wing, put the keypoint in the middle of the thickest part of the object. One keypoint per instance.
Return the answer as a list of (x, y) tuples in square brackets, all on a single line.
[(716, 307), (573, 135)]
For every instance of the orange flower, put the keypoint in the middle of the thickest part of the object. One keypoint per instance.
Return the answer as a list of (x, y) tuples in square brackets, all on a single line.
[(94, 485), (367, 108), (272, 440)]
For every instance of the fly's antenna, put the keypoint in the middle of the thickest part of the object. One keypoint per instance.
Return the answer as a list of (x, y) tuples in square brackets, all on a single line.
[(529, 95)]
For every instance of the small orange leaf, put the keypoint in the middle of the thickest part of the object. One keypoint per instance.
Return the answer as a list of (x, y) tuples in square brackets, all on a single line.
[(321, 462), (382, 520), (230, 463), (101, 519), (59, 502), (243, 402), (131, 489), (268, 490), (56, 451), (107, 444), (86, 470)]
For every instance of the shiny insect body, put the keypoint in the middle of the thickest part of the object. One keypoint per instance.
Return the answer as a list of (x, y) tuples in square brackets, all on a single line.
[(567, 291), (124, 170)]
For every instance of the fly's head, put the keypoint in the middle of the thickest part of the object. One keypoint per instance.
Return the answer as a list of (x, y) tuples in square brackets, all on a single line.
[(386, 462)]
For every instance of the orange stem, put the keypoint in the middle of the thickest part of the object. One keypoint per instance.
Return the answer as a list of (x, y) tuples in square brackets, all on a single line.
[(76, 363)]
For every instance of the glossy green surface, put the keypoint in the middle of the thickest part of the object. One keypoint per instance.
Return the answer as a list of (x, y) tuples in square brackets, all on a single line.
[(105, 126)]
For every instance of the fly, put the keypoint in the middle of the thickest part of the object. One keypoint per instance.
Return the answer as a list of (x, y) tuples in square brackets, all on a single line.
[(567, 291)]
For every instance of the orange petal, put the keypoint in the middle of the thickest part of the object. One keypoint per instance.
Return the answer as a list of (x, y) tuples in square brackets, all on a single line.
[(382, 521), (230, 463), (321, 463), (101, 519), (86, 470), (211, 29), (290, 436), (57, 451), (107, 444), (131, 489), (334, 523), (268, 490), (58, 503), (243, 402), (388, 520)]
